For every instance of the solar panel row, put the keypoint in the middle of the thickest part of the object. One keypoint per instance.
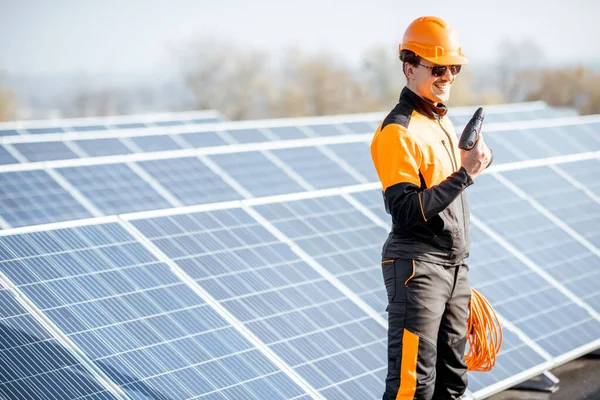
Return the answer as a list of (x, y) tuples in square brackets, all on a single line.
[(114, 123), (132, 316), (62, 147), (65, 190)]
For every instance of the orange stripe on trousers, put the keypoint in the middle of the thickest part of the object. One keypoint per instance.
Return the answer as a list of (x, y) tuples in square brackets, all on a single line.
[(408, 367)]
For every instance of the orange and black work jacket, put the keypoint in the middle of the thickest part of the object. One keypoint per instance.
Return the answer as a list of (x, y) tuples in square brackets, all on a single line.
[(416, 156)]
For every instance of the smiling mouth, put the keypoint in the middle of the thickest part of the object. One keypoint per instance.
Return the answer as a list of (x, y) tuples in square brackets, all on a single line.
[(443, 87)]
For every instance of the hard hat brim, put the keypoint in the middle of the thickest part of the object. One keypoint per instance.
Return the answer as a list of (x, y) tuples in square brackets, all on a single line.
[(447, 60)]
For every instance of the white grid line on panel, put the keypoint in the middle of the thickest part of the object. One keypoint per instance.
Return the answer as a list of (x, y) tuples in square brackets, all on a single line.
[(180, 140), (71, 145), (15, 153), (542, 210), (220, 172), (222, 311), (318, 267), (4, 224), (288, 170), (576, 183), (65, 184), (368, 213), (130, 144), (40, 317), (525, 260), (160, 189), (343, 164)]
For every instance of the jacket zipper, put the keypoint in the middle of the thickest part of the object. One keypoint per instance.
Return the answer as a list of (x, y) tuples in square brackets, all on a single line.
[(454, 165)]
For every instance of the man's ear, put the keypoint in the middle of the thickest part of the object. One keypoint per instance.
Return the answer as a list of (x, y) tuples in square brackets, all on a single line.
[(409, 70)]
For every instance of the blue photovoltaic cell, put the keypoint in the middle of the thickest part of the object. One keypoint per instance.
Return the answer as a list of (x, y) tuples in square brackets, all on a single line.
[(204, 121), (360, 127), (324, 130), (150, 333), (34, 364), (168, 123), (33, 197), (8, 132), (87, 128), (45, 151), (114, 188), (315, 167), (373, 200), (516, 291), (35, 131), (130, 125), (358, 155), (248, 135), (190, 180), (585, 172), (155, 143), (340, 238), (6, 157), (204, 139), (294, 310), (256, 173), (288, 132), (103, 147)]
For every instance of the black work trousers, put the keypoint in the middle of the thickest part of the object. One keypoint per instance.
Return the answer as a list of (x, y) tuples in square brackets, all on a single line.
[(427, 325)]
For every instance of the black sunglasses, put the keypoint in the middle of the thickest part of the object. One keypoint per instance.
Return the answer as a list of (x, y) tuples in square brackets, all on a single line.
[(440, 70)]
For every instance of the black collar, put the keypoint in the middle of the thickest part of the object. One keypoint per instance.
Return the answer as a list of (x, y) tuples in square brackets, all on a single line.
[(423, 106)]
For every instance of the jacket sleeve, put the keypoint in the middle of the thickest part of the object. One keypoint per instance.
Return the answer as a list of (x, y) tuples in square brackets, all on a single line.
[(398, 159)]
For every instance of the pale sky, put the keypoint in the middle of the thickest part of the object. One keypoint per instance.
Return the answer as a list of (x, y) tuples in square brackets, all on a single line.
[(135, 36)]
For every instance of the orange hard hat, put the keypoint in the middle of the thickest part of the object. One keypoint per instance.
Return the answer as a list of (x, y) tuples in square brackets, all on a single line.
[(434, 40)]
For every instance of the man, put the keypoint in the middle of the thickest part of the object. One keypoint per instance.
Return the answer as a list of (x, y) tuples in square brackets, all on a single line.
[(417, 159)]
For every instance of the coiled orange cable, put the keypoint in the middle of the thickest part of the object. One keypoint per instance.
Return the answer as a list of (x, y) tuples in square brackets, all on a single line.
[(484, 334)]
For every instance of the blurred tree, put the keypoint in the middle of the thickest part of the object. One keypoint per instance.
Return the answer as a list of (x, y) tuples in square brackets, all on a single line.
[(517, 63), (8, 104), (382, 71), (578, 88), (319, 84), (227, 78)]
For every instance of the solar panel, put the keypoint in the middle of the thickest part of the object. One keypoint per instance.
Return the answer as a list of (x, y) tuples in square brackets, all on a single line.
[(45, 151), (190, 180), (288, 132), (315, 167), (373, 201), (256, 173), (359, 156), (204, 139), (340, 238), (114, 188), (155, 143), (143, 327), (8, 132), (6, 157), (33, 197), (324, 130), (37, 131), (35, 365), (248, 135), (538, 307), (295, 311), (103, 147), (586, 172), (360, 127), (88, 128)]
